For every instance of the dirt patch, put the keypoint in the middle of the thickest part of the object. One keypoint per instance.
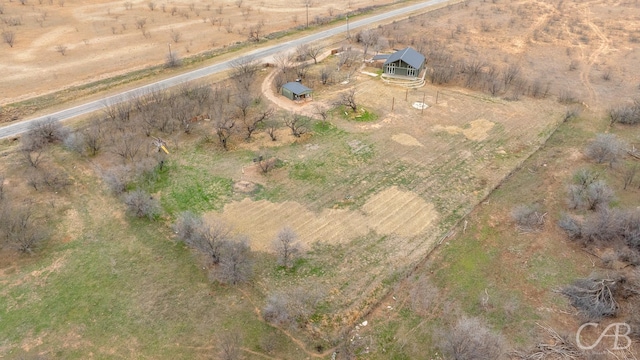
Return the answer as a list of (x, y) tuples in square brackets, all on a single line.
[(478, 130), (392, 211), (105, 38), (406, 139), (244, 186)]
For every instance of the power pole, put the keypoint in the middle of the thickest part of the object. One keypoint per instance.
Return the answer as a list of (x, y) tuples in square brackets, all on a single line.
[(307, 14), (348, 36)]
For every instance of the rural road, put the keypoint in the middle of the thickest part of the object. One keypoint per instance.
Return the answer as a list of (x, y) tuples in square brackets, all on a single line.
[(259, 54)]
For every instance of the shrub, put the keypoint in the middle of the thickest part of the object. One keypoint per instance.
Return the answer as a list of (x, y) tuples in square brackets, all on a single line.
[(43, 132), (19, 229), (626, 114), (605, 148), (471, 339), (595, 196), (528, 218), (594, 297), (292, 307), (423, 295), (140, 204), (571, 226), (188, 226)]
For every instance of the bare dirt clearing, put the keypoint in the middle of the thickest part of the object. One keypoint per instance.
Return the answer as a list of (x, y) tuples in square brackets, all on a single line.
[(107, 38), (391, 211)]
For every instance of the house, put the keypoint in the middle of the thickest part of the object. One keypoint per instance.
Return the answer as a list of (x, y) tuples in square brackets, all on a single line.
[(405, 62), (296, 91)]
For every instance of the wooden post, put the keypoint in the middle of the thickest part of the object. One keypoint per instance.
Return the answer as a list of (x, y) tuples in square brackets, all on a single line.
[(393, 102), (437, 93), (422, 107)]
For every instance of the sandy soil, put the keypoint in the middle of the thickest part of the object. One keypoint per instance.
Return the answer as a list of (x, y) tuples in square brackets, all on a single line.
[(391, 211), (477, 130), (105, 37)]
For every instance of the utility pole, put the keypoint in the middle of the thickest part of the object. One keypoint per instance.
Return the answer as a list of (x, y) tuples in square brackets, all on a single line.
[(170, 57), (348, 36), (307, 14)]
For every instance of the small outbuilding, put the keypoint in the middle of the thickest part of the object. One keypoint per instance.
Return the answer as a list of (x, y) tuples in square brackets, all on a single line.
[(405, 62), (296, 91)]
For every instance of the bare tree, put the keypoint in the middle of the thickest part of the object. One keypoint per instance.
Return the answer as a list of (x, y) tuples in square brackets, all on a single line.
[(292, 307), (265, 162), (188, 226), (140, 204), (423, 295), (251, 123), (9, 37), (287, 247), (471, 339), (47, 131), (236, 265), (301, 70), (243, 102), (173, 59), (314, 52), (92, 137), (367, 38), (321, 111), (347, 58), (151, 5), (271, 126), (255, 32), (230, 343), (302, 52), (348, 99), (325, 75), (175, 35), (243, 72), (297, 124), (279, 80), (127, 146), (510, 74), (473, 70), (208, 239), (629, 174), (238, 3), (284, 61), (2, 191), (605, 148), (224, 129), (19, 229), (141, 23)]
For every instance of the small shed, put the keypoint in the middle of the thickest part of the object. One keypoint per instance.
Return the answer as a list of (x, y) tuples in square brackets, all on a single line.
[(405, 62), (296, 91)]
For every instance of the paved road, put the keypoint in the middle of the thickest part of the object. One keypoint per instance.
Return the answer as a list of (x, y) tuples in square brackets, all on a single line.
[(259, 54)]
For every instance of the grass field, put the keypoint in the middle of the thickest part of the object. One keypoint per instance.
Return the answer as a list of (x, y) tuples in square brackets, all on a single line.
[(370, 197)]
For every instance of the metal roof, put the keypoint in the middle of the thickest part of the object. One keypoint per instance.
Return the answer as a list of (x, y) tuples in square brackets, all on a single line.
[(296, 88), (407, 55), (381, 57)]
